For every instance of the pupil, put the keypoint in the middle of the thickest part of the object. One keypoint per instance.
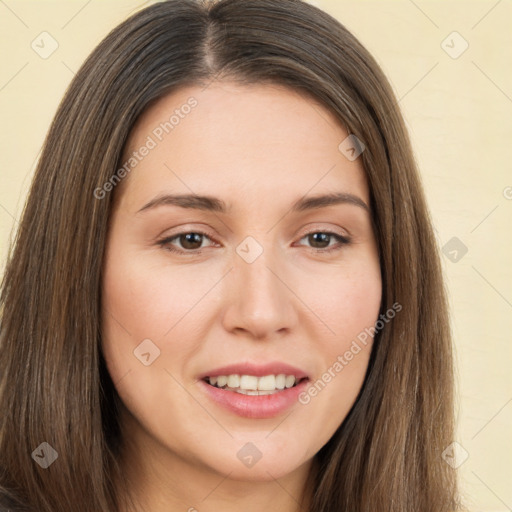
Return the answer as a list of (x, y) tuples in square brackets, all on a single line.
[(188, 240), (319, 238)]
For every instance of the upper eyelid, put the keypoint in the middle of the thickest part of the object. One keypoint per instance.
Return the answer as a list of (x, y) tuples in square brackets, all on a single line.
[(303, 232), (318, 229), (187, 231)]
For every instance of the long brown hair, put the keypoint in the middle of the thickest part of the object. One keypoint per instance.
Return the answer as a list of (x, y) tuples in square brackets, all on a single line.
[(54, 386)]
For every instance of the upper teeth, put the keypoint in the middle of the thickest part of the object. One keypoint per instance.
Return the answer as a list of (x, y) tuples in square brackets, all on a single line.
[(251, 382)]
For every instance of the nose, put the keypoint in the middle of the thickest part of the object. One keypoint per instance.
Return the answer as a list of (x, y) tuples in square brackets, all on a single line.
[(260, 301)]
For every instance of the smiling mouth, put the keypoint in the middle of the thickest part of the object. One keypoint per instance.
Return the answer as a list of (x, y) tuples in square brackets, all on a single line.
[(255, 386)]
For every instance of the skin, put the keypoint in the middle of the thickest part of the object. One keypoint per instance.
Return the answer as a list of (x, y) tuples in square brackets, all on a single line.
[(258, 148)]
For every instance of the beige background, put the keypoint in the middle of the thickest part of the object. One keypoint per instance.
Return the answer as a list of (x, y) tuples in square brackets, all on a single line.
[(459, 112)]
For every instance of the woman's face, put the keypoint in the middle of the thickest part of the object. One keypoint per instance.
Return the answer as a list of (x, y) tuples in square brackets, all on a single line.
[(221, 254)]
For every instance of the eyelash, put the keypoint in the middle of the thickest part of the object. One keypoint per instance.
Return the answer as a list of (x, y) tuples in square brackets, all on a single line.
[(165, 242)]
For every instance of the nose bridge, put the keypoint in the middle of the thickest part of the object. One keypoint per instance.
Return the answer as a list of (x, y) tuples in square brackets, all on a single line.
[(254, 272), (260, 302), (255, 258)]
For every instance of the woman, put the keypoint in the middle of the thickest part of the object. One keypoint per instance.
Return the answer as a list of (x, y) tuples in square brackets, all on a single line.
[(225, 290)]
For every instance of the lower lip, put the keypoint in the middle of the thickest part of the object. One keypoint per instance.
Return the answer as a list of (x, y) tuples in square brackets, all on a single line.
[(255, 406)]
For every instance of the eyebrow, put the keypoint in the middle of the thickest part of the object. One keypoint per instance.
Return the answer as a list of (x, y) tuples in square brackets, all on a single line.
[(214, 204)]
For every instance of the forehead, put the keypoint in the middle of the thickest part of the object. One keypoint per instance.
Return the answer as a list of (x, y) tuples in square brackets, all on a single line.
[(235, 138)]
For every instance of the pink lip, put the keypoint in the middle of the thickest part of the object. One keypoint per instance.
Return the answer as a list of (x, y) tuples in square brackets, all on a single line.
[(253, 406), (274, 368)]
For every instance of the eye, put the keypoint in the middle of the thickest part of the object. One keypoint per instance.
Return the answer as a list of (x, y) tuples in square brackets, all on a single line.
[(321, 241), (190, 242)]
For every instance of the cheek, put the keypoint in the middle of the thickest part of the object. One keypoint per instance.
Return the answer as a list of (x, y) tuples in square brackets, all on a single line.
[(145, 309), (133, 310), (347, 299), (143, 300), (149, 300), (348, 303)]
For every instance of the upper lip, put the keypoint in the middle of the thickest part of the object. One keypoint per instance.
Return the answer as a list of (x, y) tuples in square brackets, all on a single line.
[(258, 370)]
